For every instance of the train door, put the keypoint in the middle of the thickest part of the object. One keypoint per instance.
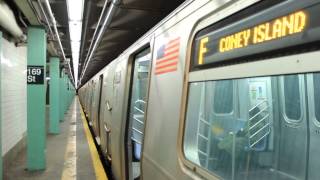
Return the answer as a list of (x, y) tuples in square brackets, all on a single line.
[(313, 87), (97, 111), (136, 117), (108, 103), (91, 98), (293, 146), (86, 99)]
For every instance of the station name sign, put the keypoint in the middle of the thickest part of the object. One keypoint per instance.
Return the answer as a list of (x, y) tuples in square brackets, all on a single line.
[(223, 43), (35, 75)]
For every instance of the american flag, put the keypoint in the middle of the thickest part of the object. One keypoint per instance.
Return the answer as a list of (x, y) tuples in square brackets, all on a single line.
[(168, 57)]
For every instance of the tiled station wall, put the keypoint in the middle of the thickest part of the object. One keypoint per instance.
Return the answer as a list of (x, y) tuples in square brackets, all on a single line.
[(14, 94)]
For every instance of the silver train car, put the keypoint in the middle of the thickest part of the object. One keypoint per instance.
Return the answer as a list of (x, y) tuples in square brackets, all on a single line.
[(217, 90)]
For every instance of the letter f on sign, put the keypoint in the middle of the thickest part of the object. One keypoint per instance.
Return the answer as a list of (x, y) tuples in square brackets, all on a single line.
[(203, 49)]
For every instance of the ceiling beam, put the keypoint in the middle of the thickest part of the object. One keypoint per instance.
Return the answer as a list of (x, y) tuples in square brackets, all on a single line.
[(145, 9), (27, 11)]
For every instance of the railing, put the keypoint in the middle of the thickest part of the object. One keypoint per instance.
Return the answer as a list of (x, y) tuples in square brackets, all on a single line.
[(259, 123), (138, 118), (205, 137)]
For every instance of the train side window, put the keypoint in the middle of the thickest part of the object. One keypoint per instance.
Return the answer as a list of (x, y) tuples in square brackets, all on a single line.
[(223, 97), (229, 148), (292, 101), (208, 137), (316, 84)]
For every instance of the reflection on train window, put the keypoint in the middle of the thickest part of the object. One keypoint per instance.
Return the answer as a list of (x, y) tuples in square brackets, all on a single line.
[(316, 84), (247, 144), (292, 97), (223, 93)]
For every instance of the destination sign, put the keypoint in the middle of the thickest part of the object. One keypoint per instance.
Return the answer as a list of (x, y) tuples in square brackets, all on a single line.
[(253, 37), (278, 28)]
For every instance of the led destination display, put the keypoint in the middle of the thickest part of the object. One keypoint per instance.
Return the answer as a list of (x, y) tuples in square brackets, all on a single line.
[(280, 27), (251, 36)]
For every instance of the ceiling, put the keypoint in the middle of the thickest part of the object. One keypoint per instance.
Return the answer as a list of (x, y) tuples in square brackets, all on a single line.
[(28, 12), (131, 20)]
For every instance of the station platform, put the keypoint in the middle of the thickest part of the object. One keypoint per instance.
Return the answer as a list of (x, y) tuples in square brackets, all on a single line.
[(71, 154)]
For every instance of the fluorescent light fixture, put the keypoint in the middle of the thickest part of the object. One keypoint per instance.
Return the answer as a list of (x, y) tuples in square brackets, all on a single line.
[(75, 57), (75, 47), (75, 9), (75, 68), (75, 14), (75, 30)]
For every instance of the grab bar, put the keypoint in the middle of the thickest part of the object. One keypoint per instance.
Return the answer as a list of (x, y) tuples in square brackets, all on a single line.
[(262, 119), (138, 120), (136, 108), (257, 132), (258, 113), (108, 106), (139, 101), (258, 105), (107, 129)]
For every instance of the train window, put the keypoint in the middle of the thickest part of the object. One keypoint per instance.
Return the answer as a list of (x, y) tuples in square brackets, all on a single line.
[(209, 137), (242, 145), (292, 97), (223, 93), (316, 84)]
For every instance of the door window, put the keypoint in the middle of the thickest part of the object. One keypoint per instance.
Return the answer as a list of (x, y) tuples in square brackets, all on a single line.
[(316, 84), (223, 97), (292, 97)]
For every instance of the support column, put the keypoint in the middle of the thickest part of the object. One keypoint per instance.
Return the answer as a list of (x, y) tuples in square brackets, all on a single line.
[(0, 110), (61, 96), (54, 95), (36, 98), (65, 92)]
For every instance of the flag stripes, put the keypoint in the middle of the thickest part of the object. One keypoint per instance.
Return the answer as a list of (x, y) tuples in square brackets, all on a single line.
[(168, 57)]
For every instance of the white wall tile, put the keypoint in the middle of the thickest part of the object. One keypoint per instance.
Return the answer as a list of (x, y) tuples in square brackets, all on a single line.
[(14, 94)]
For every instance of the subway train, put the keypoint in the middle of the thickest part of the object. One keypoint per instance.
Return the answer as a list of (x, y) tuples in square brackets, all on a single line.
[(223, 89)]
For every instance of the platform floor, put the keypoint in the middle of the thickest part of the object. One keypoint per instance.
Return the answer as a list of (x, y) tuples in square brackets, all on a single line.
[(70, 154)]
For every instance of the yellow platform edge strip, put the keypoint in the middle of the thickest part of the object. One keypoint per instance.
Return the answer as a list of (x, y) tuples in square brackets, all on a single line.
[(98, 168)]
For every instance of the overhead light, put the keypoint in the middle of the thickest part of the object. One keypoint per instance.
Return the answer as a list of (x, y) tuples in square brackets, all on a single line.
[(75, 30), (75, 47), (75, 14), (75, 56), (75, 69), (75, 10)]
